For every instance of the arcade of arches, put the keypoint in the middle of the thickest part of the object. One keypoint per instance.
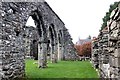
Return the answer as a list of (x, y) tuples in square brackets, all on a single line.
[(48, 40)]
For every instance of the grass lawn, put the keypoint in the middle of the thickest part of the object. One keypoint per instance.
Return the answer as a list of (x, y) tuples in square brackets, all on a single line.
[(62, 69)]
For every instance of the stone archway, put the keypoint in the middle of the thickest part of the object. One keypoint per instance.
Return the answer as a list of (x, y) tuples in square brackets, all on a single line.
[(43, 41), (60, 44), (14, 16), (52, 38), (35, 49)]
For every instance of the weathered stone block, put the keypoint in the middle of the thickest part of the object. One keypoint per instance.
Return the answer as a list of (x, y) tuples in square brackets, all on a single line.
[(117, 53), (113, 39), (111, 61), (116, 15), (114, 12), (117, 62), (111, 50), (113, 25), (115, 33)]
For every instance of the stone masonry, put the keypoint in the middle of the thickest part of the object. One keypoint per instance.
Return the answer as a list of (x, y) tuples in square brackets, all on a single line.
[(108, 52), (114, 41), (103, 55), (95, 50), (52, 37)]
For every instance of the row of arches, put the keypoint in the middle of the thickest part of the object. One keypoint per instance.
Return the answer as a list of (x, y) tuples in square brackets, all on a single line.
[(48, 42), (47, 36), (51, 39)]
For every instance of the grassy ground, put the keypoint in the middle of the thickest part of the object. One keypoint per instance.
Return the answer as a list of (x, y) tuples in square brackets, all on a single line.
[(62, 69)]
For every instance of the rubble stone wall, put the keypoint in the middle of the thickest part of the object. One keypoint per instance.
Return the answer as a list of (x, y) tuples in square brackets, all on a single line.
[(114, 41), (108, 52), (94, 56)]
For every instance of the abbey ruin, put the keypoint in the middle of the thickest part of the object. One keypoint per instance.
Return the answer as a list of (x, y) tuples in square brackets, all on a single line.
[(50, 38)]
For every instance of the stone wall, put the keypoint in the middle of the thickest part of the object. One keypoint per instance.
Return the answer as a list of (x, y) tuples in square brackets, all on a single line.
[(68, 47), (94, 56), (1, 44), (50, 30), (108, 52), (13, 55), (31, 37), (103, 55), (114, 41)]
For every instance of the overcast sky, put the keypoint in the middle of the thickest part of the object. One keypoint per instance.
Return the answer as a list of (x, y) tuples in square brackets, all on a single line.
[(81, 17)]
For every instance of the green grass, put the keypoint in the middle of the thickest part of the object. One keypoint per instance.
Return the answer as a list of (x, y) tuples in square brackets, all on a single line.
[(62, 69)]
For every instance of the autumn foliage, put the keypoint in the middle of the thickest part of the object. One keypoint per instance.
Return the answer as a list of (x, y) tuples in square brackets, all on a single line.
[(84, 49)]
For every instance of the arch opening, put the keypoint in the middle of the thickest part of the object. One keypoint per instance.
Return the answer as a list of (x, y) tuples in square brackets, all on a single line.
[(51, 44), (60, 53)]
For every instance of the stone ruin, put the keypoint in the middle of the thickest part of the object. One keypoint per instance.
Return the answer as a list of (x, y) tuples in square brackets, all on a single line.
[(17, 41), (31, 37), (105, 50), (94, 55)]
